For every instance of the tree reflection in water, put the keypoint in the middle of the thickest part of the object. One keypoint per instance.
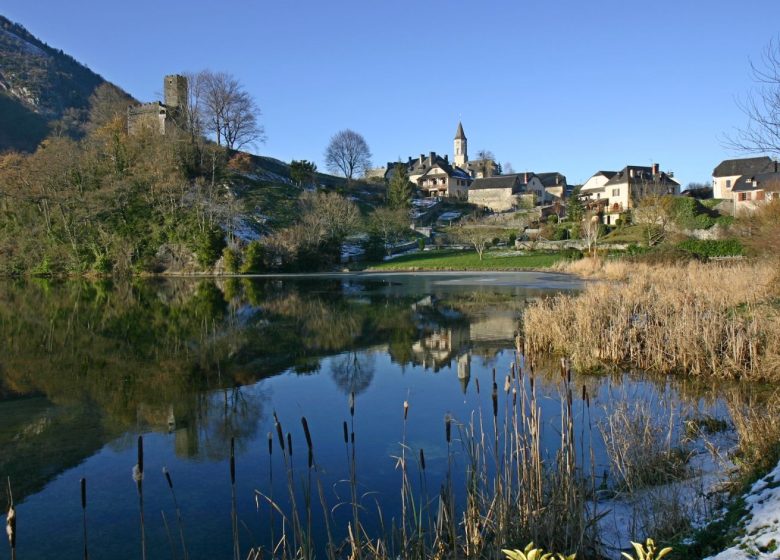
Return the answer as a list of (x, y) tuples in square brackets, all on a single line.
[(353, 372)]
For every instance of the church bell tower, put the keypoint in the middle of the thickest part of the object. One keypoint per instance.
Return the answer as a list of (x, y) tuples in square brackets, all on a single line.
[(461, 147)]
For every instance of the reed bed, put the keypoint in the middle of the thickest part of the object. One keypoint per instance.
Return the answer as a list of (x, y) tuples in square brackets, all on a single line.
[(513, 491), (699, 319)]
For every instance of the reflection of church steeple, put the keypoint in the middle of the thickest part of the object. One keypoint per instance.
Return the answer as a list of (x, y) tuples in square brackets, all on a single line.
[(464, 371)]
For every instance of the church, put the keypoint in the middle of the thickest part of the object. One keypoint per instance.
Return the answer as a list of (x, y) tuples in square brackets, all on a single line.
[(436, 176)]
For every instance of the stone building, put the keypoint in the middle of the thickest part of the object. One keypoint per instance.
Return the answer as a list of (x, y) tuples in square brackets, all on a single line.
[(162, 117)]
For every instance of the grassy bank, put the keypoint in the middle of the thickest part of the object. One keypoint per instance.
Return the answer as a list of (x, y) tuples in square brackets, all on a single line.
[(698, 319), (468, 260)]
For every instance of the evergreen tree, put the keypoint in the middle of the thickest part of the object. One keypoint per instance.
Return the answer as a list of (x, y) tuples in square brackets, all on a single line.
[(399, 189)]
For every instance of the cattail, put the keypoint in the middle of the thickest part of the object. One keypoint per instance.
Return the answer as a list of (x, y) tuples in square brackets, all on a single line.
[(494, 375), (406, 410), (448, 427), (507, 384), (307, 434), (346, 432), (232, 460), (84, 515), (289, 443), (280, 434), (270, 443), (141, 456), (352, 437), (514, 396), (495, 399), (584, 392), (10, 528), (422, 459), (477, 384), (512, 370), (352, 404)]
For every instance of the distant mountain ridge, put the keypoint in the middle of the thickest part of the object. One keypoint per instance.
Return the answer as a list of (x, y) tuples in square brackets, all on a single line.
[(38, 85)]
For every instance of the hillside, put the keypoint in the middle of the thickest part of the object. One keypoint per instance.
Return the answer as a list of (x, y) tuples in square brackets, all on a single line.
[(38, 85)]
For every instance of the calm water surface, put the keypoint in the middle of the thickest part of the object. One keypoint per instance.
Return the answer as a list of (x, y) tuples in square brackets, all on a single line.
[(87, 367)]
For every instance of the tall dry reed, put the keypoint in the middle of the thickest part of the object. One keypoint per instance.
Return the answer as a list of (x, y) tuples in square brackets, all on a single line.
[(700, 319)]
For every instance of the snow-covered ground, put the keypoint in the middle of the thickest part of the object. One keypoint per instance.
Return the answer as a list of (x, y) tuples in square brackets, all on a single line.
[(761, 536)]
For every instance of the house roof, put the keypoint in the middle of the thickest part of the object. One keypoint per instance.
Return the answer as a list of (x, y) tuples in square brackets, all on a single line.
[(744, 166), (763, 181), (641, 173), (460, 135), (551, 179), (497, 182)]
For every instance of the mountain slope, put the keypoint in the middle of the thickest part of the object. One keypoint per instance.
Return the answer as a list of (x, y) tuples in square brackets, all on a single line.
[(38, 85)]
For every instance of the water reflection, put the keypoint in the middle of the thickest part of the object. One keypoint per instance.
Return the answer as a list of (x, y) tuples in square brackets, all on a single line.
[(98, 359), (87, 366)]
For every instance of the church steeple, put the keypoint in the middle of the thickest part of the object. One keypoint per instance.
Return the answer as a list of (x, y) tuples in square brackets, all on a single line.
[(461, 147)]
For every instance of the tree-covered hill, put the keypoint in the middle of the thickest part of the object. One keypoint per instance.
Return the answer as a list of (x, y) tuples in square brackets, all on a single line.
[(41, 88)]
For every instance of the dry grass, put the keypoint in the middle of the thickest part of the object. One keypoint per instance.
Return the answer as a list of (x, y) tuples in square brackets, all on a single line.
[(699, 319)]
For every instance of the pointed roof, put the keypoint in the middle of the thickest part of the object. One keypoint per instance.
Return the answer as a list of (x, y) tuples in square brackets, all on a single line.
[(460, 135)]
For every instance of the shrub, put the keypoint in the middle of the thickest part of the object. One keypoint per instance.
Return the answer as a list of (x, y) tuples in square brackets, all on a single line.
[(560, 234), (421, 244), (42, 269), (512, 239), (552, 219), (254, 258), (572, 253), (208, 245), (231, 258), (689, 213), (495, 241), (712, 247)]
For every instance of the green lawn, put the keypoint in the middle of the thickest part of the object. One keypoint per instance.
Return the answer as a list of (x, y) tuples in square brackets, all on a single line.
[(468, 260)]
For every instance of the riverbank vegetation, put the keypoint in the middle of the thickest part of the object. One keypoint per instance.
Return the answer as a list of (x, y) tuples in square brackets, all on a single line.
[(719, 320)]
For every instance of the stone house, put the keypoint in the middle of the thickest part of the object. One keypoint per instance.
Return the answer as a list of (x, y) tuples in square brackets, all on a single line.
[(554, 184), (728, 172), (162, 117), (435, 176), (498, 194), (630, 185), (750, 192)]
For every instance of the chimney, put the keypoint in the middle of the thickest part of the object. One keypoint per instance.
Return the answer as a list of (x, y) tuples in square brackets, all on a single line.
[(525, 177), (433, 157), (422, 157), (631, 173), (655, 169), (447, 159), (410, 160), (775, 166)]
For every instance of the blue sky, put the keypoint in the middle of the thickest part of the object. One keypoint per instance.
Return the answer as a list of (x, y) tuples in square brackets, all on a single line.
[(556, 85)]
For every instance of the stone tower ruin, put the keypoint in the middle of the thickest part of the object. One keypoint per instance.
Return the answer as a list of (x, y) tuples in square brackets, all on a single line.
[(161, 117)]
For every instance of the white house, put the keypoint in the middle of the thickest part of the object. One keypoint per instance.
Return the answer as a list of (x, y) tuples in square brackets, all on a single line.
[(728, 172), (750, 192)]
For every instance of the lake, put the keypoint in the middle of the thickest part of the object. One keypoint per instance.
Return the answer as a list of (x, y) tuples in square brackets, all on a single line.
[(87, 367)]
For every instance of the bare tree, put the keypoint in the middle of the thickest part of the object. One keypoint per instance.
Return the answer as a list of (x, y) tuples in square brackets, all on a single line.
[(472, 233), (486, 163), (654, 216), (348, 154), (591, 230), (508, 169), (228, 112), (762, 107)]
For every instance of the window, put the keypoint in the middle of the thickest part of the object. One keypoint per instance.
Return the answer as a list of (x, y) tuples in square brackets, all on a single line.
[(728, 184), (616, 192)]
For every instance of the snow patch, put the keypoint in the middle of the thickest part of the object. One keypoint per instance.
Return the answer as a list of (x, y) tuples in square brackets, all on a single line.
[(761, 539)]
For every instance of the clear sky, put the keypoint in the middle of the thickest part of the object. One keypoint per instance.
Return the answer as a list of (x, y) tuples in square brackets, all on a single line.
[(549, 85)]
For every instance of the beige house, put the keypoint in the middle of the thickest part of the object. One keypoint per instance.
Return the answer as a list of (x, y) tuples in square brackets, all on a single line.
[(728, 172), (554, 185), (750, 192), (629, 186)]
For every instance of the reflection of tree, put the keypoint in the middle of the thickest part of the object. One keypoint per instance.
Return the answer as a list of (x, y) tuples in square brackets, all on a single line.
[(353, 372), (217, 417)]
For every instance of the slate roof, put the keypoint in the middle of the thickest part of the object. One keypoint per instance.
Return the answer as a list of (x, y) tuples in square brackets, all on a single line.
[(497, 182), (764, 181), (744, 166), (552, 179), (641, 173), (431, 161), (460, 135)]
